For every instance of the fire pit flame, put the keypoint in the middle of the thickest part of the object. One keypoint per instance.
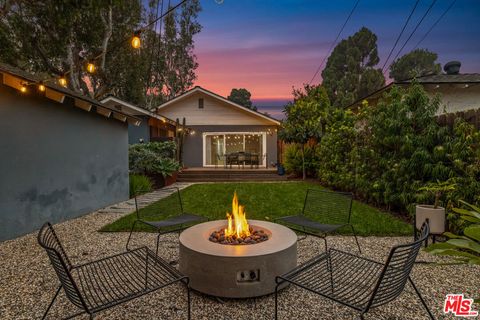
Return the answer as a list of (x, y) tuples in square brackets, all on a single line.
[(237, 220), (238, 231)]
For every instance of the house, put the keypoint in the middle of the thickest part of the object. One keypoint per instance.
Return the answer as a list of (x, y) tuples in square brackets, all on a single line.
[(62, 153), (459, 93), (153, 126), (219, 127)]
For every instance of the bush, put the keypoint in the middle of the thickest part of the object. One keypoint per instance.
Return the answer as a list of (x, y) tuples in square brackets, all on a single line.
[(293, 159), (153, 158), (139, 184)]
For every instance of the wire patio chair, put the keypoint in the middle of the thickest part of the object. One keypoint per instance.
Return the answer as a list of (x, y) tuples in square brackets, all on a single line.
[(330, 210), (104, 283), (357, 282), (177, 219)]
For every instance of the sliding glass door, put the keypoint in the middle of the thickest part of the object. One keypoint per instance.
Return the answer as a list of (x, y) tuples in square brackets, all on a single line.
[(218, 145)]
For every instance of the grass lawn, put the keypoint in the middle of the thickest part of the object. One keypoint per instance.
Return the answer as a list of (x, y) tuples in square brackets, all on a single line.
[(262, 201)]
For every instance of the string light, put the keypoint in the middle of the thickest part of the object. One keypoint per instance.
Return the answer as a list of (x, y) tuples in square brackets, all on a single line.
[(90, 67), (62, 81), (136, 42), (41, 87), (23, 88)]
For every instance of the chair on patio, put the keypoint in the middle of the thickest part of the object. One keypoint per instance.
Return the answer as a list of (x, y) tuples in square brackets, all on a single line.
[(177, 219), (104, 283), (356, 282), (331, 210)]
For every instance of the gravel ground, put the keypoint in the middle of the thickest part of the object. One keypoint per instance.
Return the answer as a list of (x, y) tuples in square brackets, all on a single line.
[(28, 282)]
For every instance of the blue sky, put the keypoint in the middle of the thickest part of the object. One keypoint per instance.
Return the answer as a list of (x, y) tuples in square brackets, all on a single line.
[(268, 46)]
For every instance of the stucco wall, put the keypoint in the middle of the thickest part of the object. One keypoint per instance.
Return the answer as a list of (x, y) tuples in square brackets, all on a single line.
[(456, 97), (56, 162), (193, 144), (135, 133)]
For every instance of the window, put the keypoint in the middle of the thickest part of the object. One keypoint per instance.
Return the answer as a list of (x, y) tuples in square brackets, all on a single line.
[(200, 103)]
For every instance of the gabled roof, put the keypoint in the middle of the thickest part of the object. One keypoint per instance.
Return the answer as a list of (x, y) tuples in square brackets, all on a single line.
[(132, 109), (218, 97), (14, 77)]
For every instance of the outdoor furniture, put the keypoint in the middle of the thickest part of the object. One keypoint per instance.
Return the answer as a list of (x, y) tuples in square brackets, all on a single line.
[(177, 219), (331, 210), (357, 282), (104, 283)]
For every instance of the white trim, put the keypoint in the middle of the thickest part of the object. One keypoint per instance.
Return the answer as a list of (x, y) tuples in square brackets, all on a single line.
[(218, 97), (138, 110), (224, 133)]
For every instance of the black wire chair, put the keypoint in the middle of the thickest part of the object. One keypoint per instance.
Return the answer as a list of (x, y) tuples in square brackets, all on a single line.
[(330, 210), (177, 219), (357, 282), (104, 283)]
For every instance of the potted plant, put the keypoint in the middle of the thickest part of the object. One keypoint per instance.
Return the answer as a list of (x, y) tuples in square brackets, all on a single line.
[(168, 168), (434, 213)]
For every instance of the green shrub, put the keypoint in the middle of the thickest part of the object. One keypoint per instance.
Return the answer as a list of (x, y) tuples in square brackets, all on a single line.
[(139, 184), (293, 160), (153, 158)]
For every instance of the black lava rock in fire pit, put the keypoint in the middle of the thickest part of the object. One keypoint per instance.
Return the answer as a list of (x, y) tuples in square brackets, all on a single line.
[(256, 236)]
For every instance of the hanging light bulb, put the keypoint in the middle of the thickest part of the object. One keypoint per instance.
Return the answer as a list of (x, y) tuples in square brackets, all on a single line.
[(90, 67), (136, 42), (23, 88), (62, 81), (41, 87)]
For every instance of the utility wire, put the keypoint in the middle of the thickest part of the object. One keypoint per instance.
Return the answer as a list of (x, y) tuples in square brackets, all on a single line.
[(400, 35), (413, 31), (435, 23), (334, 42)]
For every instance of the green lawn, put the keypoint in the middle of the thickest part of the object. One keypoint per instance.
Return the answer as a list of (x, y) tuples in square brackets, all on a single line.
[(262, 201)]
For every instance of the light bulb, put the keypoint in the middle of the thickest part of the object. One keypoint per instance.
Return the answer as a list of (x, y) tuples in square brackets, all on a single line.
[(136, 42), (90, 67), (62, 81), (23, 88), (41, 87)]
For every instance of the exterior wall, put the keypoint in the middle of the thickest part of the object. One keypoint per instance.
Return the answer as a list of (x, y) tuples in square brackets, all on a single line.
[(141, 132), (214, 111), (193, 144), (57, 162), (456, 97)]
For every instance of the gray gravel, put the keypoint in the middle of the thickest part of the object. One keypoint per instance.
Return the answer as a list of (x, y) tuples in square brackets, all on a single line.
[(28, 282)]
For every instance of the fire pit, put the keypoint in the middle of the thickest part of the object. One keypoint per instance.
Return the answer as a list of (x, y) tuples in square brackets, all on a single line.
[(235, 268)]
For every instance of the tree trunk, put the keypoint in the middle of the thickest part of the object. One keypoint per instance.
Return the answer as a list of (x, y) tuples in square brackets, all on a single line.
[(304, 175)]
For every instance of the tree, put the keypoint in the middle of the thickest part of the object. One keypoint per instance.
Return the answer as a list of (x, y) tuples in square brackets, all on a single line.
[(419, 62), (304, 118), (242, 97), (350, 72), (51, 38)]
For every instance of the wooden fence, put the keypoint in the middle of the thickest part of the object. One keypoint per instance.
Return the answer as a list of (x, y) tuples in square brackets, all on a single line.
[(471, 116)]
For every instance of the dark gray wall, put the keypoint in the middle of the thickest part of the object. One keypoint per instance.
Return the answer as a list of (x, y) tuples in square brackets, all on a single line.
[(56, 161), (141, 132), (193, 153)]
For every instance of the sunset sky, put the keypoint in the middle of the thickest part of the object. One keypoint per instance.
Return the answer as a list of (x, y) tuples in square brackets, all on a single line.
[(268, 46)]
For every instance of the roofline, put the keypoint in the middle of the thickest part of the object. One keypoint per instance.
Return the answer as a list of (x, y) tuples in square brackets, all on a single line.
[(66, 92), (219, 97), (136, 108)]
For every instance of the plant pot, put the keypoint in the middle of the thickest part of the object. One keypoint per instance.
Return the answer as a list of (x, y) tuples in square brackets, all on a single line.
[(171, 179), (436, 218)]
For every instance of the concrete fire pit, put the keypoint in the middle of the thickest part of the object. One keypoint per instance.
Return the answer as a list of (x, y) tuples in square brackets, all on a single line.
[(236, 271)]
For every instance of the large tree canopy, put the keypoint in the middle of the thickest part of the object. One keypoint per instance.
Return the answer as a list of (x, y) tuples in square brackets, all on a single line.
[(242, 97), (350, 72), (417, 63), (51, 38)]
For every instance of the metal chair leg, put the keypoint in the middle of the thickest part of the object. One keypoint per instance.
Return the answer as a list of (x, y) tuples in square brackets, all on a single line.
[(51, 303), (276, 301), (158, 242), (356, 240), (421, 299), (130, 235), (325, 240), (189, 302)]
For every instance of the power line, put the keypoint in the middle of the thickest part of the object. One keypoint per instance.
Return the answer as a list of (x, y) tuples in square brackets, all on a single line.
[(400, 35), (334, 42), (413, 31), (435, 23)]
